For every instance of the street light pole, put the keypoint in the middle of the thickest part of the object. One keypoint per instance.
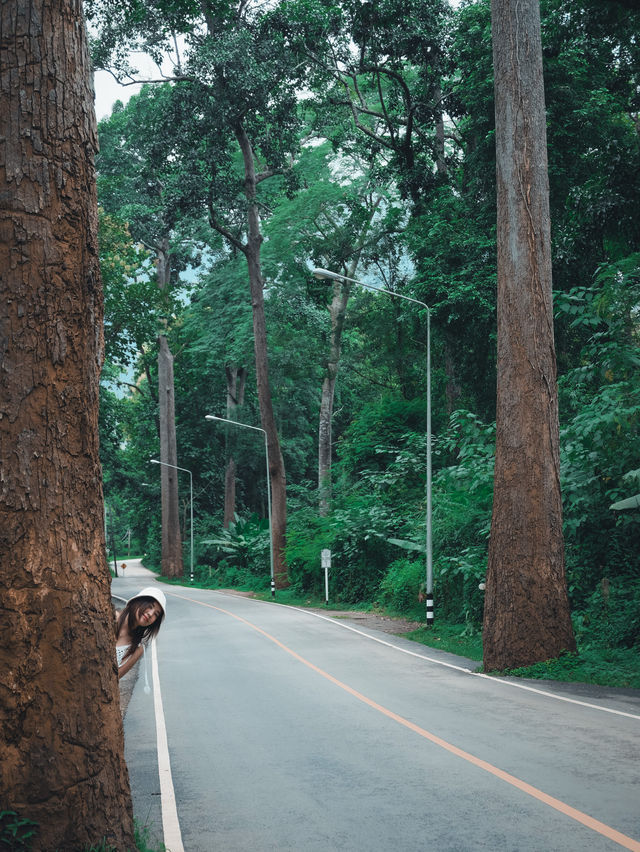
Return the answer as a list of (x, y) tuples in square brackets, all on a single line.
[(266, 456), (336, 276), (175, 467)]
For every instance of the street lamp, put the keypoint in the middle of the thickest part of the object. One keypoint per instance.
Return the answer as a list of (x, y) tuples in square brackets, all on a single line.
[(266, 456), (336, 276), (175, 467)]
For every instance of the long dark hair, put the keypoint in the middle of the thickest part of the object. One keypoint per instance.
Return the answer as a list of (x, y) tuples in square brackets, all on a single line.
[(138, 634)]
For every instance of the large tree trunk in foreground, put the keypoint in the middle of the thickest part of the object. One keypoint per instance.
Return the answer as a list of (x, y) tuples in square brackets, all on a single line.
[(61, 736), (526, 617), (171, 541)]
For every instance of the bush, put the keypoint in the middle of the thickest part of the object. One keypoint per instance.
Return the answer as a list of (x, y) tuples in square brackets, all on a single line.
[(612, 615), (16, 833), (401, 587), (237, 555)]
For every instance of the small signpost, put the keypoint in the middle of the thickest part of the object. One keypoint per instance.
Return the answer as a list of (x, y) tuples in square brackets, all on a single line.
[(325, 556)]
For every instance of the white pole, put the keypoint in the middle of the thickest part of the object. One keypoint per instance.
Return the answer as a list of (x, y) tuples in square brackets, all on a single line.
[(325, 558)]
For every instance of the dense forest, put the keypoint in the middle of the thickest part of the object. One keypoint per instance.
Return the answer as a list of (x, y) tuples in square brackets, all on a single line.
[(359, 138)]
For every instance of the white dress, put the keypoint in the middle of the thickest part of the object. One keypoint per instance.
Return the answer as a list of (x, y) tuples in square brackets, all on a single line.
[(121, 650)]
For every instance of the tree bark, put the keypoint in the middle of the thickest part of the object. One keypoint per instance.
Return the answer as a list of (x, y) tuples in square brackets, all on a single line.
[(526, 617), (171, 560), (61, 735), (171, 540), (452, 390), (276, 462)]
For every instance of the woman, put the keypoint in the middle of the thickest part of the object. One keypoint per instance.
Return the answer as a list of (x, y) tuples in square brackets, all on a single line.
[(136, 625)]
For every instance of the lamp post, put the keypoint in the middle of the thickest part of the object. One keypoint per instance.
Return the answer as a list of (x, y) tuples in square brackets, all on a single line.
[(175, 467), (336, 276), (266, 456)]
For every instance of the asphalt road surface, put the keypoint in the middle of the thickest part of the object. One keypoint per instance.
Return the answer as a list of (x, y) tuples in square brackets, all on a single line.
[(281, 730)]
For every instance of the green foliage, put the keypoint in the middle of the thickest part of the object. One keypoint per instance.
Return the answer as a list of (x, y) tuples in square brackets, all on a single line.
[(372, 533), (451, 637), (611, 615), (356, 534), (16, 833), (238, 554), (400, 586), (144, 842), (599, 440), (463, 493), (130, 291)]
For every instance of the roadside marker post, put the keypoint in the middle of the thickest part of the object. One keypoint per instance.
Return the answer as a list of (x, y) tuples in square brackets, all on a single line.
[(325, 556)]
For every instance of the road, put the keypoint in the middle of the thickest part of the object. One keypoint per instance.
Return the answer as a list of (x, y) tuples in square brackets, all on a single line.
[(289, 731)]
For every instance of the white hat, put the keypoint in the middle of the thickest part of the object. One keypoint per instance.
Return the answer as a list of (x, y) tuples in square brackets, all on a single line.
[(156, 594)]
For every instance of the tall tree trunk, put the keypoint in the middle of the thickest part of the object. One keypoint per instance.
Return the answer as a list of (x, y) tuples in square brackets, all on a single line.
[(172, 565), (236, 379), (276, 462), (441, 163), (171, 541), (337, 311), (452, 390), (61, 734), (526, 617)]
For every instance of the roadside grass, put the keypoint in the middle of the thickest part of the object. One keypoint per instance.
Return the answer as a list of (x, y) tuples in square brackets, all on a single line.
[(598, 665), (454, 638), (617, 667), (143, 842)]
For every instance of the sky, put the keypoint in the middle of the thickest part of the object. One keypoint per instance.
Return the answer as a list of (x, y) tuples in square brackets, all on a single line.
[(108, 91)]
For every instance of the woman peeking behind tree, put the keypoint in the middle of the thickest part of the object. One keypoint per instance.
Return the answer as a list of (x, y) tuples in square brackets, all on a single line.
[(136, 625)]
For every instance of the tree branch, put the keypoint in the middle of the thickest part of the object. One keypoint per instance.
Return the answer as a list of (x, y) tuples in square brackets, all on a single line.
[(235, 242)]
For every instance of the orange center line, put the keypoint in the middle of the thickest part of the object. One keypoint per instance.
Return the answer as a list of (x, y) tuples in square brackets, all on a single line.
[(594, 824)]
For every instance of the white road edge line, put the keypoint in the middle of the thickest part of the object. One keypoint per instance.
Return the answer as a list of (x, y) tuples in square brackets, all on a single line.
[(464, 670), (170, 823)]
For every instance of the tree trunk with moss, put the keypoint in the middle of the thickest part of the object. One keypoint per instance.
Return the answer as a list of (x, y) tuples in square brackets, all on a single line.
[(61, 735)]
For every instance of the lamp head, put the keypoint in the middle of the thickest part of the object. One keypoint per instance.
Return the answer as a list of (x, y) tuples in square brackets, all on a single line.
[(327, 274), (154, 461)]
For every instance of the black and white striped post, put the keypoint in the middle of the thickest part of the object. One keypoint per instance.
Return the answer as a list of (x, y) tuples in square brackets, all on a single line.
[(336, 276)]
